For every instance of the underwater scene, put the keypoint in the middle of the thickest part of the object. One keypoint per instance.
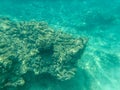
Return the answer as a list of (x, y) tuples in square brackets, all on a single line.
[(59, 44)]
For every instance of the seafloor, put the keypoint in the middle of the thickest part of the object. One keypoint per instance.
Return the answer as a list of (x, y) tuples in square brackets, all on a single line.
[(98, 20)]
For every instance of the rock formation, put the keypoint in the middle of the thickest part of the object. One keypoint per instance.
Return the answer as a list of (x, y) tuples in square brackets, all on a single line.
[(33, 46)]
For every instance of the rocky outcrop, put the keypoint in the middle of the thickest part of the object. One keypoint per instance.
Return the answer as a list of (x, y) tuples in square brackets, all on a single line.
[(33, 46)]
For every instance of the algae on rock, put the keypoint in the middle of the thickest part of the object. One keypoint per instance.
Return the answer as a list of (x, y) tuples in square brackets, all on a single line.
[(33, 46)]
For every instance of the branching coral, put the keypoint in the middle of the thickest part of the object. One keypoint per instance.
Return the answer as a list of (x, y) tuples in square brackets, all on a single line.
[(33, 46)]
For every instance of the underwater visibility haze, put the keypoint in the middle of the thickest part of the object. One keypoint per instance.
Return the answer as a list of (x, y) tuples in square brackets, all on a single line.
[(59, 44)]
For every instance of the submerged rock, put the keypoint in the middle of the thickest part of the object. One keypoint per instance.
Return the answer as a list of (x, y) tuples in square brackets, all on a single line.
[(35, 47)]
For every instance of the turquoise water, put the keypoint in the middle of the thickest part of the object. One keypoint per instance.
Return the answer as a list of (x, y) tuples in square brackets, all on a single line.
[(98, 20)]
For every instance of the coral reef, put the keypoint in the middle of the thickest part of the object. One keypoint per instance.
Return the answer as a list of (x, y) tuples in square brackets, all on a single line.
[(34, 47)]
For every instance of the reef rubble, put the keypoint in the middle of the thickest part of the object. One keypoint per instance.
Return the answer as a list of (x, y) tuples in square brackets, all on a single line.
[(32, 46)]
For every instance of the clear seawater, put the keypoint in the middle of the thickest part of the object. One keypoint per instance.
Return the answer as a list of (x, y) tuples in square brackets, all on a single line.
[(98, 20)]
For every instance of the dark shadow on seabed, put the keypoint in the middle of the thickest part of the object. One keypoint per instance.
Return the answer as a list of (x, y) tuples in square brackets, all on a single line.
[(48, 82)]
